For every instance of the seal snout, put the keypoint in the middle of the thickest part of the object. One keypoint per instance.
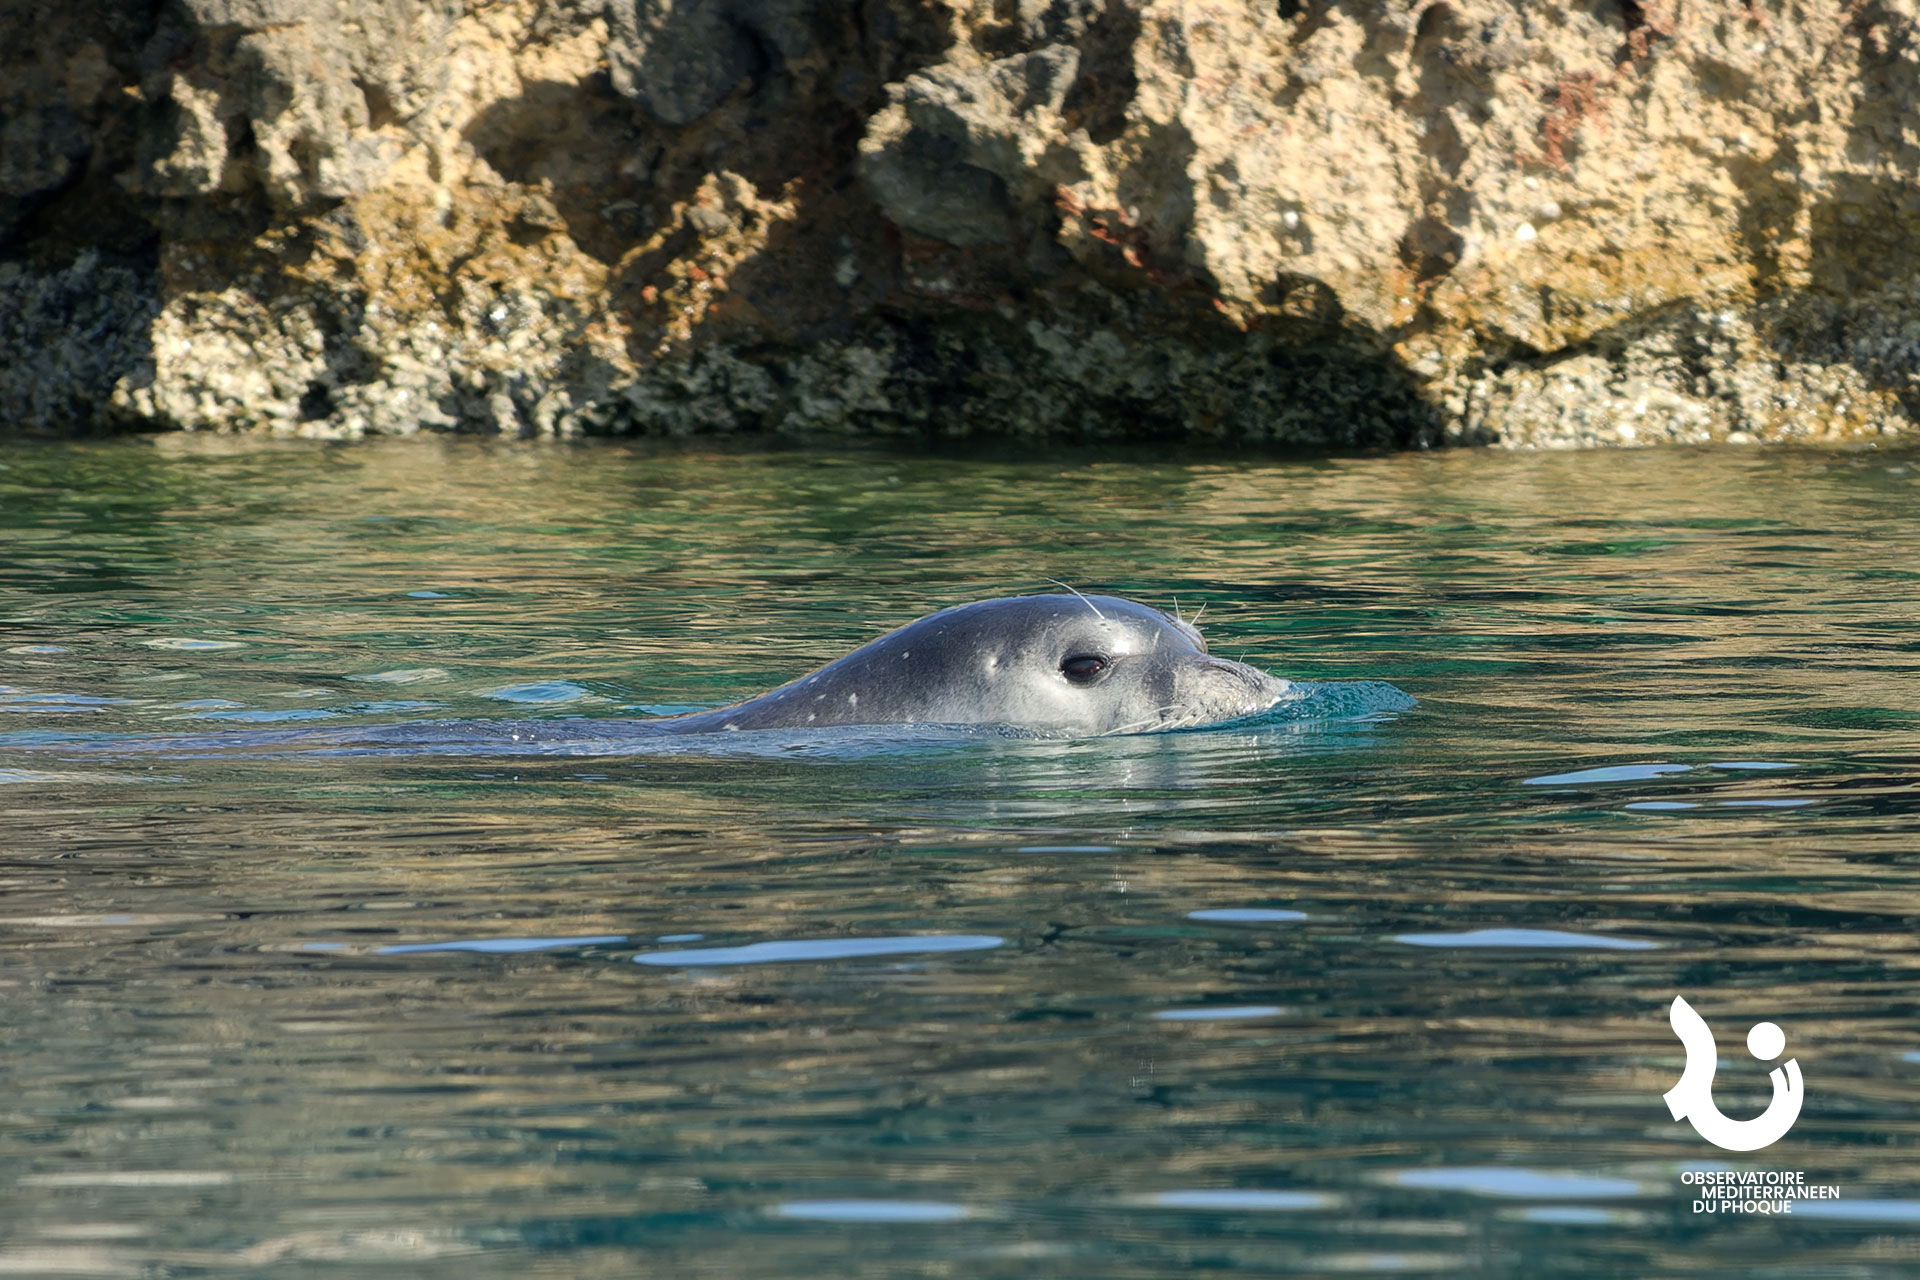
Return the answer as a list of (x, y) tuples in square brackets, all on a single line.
[(1210, 690), (1257, 682)]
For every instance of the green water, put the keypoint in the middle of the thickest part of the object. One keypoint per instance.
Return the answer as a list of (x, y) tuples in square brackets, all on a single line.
[(298, 1015)]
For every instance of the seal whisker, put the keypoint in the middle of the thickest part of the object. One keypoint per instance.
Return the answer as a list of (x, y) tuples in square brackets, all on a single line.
[(1083, 600), (1159, 719)]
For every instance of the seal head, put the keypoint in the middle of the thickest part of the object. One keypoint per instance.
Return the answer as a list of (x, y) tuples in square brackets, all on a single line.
[(1055, 665)]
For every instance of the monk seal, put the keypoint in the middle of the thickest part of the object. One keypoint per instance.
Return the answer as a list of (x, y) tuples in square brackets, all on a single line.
[(1052, 665)]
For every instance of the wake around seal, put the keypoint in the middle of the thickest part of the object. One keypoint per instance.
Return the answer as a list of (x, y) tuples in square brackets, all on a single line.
[(1057, 665)]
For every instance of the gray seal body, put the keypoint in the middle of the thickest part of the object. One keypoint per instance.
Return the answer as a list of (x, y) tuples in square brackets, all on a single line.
[(1054, 665)]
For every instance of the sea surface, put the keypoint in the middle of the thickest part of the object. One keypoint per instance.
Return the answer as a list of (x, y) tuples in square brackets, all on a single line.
[(1387, 991)]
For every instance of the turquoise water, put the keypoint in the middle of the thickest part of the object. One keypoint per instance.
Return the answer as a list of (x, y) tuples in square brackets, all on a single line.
[(1386, 993)]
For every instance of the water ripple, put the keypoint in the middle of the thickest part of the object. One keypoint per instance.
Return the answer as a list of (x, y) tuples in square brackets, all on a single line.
[(821, 949)]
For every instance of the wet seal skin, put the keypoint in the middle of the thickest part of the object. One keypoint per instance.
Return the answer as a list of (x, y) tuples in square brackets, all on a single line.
[(1058, 665)]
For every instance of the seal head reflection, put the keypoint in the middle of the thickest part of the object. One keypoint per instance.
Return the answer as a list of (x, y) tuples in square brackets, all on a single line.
[(1692, 1099)]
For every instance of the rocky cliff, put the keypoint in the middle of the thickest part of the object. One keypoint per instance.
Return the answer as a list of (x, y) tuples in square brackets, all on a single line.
[(1302, 221)]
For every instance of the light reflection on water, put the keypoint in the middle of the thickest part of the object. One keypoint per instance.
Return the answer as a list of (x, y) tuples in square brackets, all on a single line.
[(1271, 998)]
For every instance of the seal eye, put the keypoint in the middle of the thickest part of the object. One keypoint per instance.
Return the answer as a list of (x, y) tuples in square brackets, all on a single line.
[(1083, 668)]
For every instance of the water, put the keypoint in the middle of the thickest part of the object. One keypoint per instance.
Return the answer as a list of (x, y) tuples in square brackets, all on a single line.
[(1380, 994)]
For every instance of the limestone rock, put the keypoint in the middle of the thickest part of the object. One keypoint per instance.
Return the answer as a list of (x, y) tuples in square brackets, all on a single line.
[(1317, 221), (963, 148), (301, 100), (681, 58)]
